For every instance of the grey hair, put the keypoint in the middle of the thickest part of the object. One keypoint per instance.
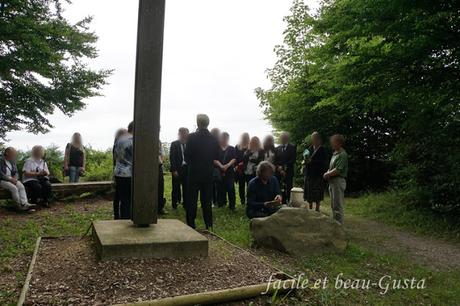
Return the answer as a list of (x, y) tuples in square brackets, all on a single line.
[(202, 121), (264, 166)]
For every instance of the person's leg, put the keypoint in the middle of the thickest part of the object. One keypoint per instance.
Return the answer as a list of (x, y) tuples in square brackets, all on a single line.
[(116, 204), (241, 189), (318, 204), (192, 203), (33, 190), (221, 194), (175, 192), (13, 190), (124, 193), (231, 192), (184, 184), (206, 205), (46, 192), (74, 174), (337, 193)]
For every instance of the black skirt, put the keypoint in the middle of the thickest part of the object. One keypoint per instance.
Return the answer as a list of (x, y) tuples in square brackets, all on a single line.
[(314, 189)]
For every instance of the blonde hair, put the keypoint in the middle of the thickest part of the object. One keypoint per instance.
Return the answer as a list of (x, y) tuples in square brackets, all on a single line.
[(255, 142), (79, 145)]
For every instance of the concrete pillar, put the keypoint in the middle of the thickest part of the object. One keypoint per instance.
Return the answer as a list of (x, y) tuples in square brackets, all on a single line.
[(147, 100)]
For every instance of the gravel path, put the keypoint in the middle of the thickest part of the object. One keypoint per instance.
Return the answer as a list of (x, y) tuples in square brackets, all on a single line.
[(426, 251)]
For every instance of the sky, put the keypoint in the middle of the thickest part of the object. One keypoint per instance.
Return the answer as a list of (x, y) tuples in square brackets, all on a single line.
[(216, 52)]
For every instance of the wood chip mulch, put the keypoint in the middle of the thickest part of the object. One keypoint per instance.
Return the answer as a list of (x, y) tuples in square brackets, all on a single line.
[(67, 272)]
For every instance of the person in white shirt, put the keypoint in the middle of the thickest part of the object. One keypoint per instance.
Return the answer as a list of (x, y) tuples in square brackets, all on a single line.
[(35, 177), (9, 179)]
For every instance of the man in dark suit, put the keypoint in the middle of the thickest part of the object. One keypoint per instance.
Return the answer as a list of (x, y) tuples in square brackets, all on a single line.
[(285, 157), (201, 152), (178, 168)]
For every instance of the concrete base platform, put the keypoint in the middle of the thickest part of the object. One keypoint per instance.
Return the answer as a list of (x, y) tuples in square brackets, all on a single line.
[(168, 238)]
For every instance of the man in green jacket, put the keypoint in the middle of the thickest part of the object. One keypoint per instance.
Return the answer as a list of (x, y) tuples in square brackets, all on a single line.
[(336, 176)]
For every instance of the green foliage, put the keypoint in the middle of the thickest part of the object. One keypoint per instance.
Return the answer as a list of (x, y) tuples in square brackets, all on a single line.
[(42, 64), (99, 165), (384, 74)]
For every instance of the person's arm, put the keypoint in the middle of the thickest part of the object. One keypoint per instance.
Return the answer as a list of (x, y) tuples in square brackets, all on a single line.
[(217, 163), (338, 169), (84, 160), (66, 156), (28, 170), (252, 198), (172, 158), (45, 169)]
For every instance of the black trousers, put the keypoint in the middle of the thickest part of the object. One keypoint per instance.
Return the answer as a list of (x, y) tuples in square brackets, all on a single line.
[(179, 187), (123, 191), (240, 180), (205, 191), (226, 187), (286, 183), (38, 190), (116, 205), (161, 189)]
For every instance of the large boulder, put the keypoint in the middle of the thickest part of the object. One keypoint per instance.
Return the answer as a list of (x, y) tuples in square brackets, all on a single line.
[(299, 232)]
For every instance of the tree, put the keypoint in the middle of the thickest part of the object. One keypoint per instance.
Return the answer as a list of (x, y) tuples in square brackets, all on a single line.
[(383, 73), (42, 64)]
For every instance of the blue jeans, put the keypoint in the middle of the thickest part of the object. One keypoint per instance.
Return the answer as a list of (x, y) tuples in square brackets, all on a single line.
[(74, 174)]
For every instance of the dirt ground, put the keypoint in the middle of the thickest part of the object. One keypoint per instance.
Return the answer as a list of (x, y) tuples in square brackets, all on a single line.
[(67, 270)]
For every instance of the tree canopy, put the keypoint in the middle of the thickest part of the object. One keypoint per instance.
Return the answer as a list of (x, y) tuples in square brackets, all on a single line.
[(383, 73), (42, 64)]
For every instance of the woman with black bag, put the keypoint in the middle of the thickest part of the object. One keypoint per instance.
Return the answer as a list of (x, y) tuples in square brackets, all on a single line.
[(36, 177)]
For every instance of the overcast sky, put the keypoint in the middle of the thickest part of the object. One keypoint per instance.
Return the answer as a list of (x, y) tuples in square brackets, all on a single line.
[(216, 53)]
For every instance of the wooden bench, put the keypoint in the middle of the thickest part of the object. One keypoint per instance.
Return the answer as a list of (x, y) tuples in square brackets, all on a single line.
[(62, 190)]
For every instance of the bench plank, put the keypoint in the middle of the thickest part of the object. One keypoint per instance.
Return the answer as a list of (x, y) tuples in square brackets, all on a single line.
[(61, 190)]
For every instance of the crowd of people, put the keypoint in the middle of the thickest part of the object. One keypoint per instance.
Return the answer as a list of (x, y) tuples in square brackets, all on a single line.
[(204, 167)]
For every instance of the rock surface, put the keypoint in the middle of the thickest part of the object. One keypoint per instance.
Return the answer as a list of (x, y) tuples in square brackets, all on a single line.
[(299, 232)]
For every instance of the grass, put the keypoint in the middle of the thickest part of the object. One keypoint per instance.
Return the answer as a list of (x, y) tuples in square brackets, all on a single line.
[(392, 208), (17, 238)]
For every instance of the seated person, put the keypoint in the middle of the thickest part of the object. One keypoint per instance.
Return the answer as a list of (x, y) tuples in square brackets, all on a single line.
[(35, 177), (264, 194), (9, 179)]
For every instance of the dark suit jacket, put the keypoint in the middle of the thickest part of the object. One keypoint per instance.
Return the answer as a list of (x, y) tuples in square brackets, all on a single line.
[(175, 156), (286, 158), (202, 149)]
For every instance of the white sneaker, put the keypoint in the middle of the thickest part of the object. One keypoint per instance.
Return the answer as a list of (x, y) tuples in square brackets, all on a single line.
[(26, 206)]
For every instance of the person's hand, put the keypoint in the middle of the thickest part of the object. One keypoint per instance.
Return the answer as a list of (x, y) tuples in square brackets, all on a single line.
[(82, 170), (279, 199), (13, 180), (66, 168), (326, 176), (175, 174)]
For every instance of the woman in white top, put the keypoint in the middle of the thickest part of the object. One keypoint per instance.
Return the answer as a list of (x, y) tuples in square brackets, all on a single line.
[(35, 177), (9, 179), (252, 157)]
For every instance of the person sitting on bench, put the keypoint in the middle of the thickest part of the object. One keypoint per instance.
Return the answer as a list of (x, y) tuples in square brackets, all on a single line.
[(9, 179), (264, 194), (36, 177)]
